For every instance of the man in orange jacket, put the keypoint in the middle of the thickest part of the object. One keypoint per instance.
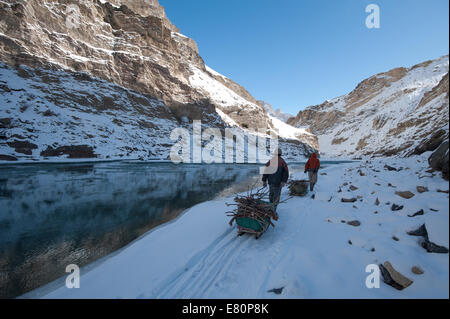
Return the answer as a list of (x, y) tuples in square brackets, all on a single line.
[(312, 167)]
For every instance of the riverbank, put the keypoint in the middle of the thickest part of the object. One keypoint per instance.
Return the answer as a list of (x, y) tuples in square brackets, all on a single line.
[(316, 249)]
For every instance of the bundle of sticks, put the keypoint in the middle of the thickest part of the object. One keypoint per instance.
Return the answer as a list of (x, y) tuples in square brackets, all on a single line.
[(298, 187), (252, 205)]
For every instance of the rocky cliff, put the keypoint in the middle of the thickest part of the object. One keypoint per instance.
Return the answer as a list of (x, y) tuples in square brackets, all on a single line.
[(400, 112), (111, 52)]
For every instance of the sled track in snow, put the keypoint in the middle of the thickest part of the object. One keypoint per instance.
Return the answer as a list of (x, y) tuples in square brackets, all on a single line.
[(205, 270)]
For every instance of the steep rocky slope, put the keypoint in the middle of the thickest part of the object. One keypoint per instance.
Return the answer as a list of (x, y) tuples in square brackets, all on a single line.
[(118, 59), (400, 112)]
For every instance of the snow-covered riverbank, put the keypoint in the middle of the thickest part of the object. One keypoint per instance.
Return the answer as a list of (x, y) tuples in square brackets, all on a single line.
[(312, 252)]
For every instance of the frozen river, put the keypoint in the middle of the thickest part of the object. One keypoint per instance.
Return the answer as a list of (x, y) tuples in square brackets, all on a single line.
[(53, 215)]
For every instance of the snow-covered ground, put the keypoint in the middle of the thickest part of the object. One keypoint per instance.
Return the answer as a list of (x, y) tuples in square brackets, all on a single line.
[(308, 252)]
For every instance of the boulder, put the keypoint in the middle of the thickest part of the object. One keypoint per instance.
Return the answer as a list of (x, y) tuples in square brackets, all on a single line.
[(393, 278), (439, 159), (431, 144)]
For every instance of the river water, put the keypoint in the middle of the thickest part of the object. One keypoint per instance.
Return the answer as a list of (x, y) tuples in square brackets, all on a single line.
[(53, 215)]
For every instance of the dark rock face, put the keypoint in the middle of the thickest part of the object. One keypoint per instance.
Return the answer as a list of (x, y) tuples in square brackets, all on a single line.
[(7, 158), (439, 159), (127, 42), (432, 143), (73, 151), (23, 147), (130, 43)]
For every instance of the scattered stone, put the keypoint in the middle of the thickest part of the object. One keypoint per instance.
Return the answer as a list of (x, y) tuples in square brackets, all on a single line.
[(372, 250), (390, 185), (388, 203), (348, 200), (353, 188), (276, 291), (375, 213), (426, 243), (396, 207), (422, 189), (372, 193), (323, 174), (389, 168), (340, 190), (434, 210), (421, 231), (405, 194), (354, 206), (420, 212), (350, 242), (395, 238), (361, 173), (378, 184), (345, 184), (441, 191), (354, 223), (417, 270), (377, 202), (343, 221), (393, 278), (433, 248)]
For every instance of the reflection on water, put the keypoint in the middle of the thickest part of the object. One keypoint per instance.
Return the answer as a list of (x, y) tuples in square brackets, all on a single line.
[(53, 215)]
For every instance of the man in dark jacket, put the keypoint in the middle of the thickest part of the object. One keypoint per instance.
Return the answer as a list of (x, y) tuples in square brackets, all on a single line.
[(312, 167), (276, 180)]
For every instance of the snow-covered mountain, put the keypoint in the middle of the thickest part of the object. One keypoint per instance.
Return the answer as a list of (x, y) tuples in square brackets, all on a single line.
[(278, 113), (111, 79), (401, 112)]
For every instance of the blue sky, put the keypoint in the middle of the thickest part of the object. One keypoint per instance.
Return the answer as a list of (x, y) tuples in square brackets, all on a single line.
[(296, 53)]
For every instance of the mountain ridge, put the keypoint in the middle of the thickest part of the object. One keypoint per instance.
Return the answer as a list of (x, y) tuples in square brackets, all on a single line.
[(396, 112)]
